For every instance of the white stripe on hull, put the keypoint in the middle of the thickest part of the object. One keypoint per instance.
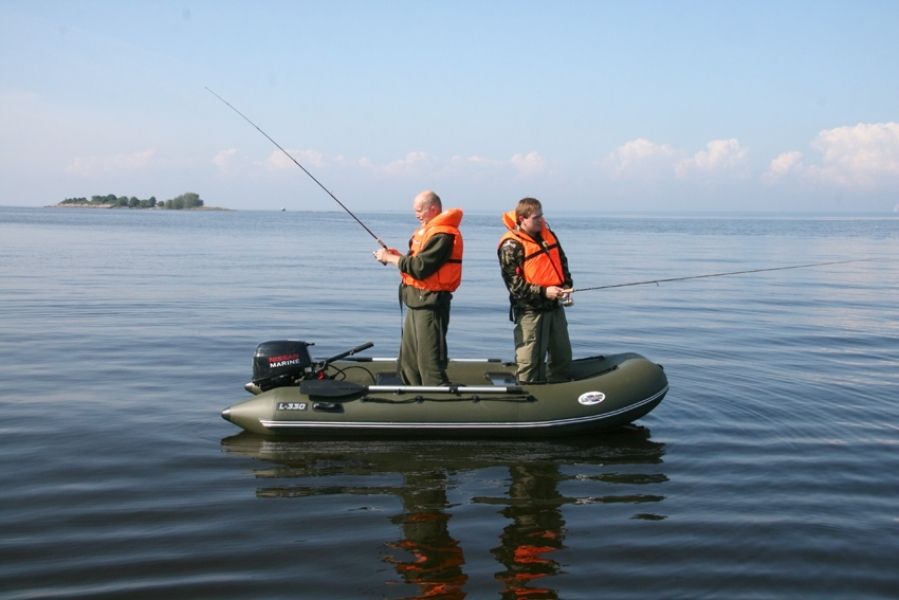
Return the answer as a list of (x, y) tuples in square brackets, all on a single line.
[(464, 425)]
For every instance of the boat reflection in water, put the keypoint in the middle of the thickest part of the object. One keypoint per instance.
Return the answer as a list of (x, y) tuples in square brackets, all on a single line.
[(433, 475)]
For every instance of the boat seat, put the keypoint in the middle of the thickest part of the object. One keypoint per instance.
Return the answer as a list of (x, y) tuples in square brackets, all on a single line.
[(501, 378), (387, 378)]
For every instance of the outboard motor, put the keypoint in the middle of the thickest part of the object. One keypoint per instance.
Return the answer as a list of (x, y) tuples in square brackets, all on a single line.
[(279, 363)]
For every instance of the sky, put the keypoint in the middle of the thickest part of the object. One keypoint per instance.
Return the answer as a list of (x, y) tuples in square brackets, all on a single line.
[(600, 106)]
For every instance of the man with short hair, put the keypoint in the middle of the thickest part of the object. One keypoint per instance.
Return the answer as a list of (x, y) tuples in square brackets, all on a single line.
[(535, 271), (431, 271)]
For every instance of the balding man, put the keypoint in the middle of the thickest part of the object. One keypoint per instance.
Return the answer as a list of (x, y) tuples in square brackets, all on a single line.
[(431, 271)]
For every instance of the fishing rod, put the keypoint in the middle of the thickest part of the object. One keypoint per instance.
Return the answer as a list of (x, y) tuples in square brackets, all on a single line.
[(297, 163), (669, 279)]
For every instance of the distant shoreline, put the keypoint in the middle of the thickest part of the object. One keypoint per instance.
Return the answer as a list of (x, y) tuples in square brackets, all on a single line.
[(888, 214), (154, 208), (187, 200)]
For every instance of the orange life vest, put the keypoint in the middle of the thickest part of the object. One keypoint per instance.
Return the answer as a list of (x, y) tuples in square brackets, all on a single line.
[(448, 277), (542, 261)]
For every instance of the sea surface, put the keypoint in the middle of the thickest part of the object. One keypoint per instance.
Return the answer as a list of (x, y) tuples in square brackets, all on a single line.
[(771, 469)]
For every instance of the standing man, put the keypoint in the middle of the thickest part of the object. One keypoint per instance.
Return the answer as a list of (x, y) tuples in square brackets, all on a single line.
[(431, 272), (535, 270)]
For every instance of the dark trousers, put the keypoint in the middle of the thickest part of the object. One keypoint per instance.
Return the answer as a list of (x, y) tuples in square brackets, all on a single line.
[(423, 357)]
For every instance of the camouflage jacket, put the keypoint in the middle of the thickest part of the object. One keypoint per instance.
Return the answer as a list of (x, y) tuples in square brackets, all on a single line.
[(526, 296)]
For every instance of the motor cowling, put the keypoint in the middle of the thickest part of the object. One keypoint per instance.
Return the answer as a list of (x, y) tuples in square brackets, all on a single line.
[(280, 362)]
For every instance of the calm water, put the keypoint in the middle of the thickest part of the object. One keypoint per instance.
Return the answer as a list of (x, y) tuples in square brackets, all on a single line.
[(770, 470)]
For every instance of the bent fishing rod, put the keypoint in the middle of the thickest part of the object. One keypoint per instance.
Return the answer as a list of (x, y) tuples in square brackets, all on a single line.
[(297, 163), (670, 279)]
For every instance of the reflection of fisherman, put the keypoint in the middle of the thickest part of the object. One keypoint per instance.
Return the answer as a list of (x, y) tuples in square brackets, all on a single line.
[(436, 557), (535, 270), (432, 270), (535, 532)]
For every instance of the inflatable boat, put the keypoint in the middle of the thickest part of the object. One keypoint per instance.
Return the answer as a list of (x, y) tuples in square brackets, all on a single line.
[(347, 395)]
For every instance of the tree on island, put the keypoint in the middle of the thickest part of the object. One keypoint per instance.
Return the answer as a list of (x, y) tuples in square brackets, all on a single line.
[(184, 201), (188, 200)]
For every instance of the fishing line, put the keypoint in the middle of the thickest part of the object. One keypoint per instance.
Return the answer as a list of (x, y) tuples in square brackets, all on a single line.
[(658, 281), (297, 163)]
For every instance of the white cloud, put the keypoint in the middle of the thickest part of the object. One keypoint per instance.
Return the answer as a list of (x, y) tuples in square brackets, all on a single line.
[(224, 158), (88, 166), (423, 164), (719, 156), (783, 165), (640, 158), (522, 164), (646, 160), (863, 156), (278, 161), (528, 164), (472, 166), (414, 163), (474, 159)]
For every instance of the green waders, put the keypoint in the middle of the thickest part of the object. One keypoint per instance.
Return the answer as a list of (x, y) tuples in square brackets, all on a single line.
[(423, 356), (536, 335)]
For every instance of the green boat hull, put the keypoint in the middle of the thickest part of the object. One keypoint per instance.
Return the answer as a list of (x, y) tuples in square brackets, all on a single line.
[(361, 398)]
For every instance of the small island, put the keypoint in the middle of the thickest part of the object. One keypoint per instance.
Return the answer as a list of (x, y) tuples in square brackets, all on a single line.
[(187, 201)]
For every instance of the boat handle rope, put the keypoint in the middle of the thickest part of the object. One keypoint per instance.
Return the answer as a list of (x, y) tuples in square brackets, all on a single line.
[(475, 398)]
